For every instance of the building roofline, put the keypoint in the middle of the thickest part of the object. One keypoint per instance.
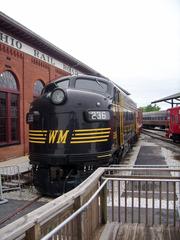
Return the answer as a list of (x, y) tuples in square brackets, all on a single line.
[(18, 30), (170, 99), (174, 96)]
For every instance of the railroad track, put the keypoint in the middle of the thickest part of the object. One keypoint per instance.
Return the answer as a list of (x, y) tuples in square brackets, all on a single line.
[(159, 137), (18, 210), (160, 133), (155, 129)]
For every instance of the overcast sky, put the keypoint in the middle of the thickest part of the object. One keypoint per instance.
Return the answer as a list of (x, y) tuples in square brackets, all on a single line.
[(136, 43)]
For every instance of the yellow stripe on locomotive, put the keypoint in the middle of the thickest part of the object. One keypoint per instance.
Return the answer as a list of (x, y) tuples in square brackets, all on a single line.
[(95, 135)]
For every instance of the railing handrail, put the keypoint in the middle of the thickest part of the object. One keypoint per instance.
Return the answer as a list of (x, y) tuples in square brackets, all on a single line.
[(136, 167), (10, 166), (40, 215), (106, 179), (144, 166), (80, 210), (175, 179)]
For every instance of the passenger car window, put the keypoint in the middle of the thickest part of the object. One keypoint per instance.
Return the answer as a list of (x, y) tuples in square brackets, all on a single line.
[(91, 85)]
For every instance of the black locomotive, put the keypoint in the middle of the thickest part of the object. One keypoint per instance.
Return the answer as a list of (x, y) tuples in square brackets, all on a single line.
[(78, 124)]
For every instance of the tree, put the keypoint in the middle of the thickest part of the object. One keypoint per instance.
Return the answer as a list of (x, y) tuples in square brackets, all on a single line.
[(150, 108)]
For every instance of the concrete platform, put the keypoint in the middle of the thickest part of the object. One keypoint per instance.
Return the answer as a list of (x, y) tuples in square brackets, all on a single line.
[(150, 155)]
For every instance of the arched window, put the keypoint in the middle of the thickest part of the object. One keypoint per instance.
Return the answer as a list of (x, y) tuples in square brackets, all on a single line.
[(9, 109), (38, 87)]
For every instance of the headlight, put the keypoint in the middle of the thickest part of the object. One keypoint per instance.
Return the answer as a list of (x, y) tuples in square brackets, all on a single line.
[(58, 96)]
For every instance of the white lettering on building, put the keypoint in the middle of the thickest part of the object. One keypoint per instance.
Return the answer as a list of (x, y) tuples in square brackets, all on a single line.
[(8, 40)]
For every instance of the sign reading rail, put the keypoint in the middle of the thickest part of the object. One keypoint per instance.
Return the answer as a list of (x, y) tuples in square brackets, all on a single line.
[(13, 42)]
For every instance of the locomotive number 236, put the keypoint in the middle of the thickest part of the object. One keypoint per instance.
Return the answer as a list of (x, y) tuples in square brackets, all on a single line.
[(98, 115)]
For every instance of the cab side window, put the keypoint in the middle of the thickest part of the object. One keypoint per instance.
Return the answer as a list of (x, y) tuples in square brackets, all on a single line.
[(91, 85), (116, 96)]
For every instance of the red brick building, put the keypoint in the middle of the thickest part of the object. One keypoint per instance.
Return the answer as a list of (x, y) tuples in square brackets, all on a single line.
[(27, 63)]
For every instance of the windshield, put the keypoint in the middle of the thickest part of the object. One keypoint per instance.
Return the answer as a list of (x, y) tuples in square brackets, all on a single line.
[(50, 87), (63, 84), (91, 85)]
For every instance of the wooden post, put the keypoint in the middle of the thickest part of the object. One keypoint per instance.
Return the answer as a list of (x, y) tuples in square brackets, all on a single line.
[(103, 202), (34, 232), (79, 219)]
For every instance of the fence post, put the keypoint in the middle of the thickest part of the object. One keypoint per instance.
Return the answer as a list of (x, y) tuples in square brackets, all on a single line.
[(103, 202), (34, 232), (79, 222)]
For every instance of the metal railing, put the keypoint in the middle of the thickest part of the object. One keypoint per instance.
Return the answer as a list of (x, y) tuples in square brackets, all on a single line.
[(148, 195), (134, 198), (41, 221), (2, 199), (124, 194), (10, 178), (56, 233), (144, 201)]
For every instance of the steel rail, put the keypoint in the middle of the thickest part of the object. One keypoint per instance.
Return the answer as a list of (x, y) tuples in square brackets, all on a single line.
[(161, 138), (18, 210)]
